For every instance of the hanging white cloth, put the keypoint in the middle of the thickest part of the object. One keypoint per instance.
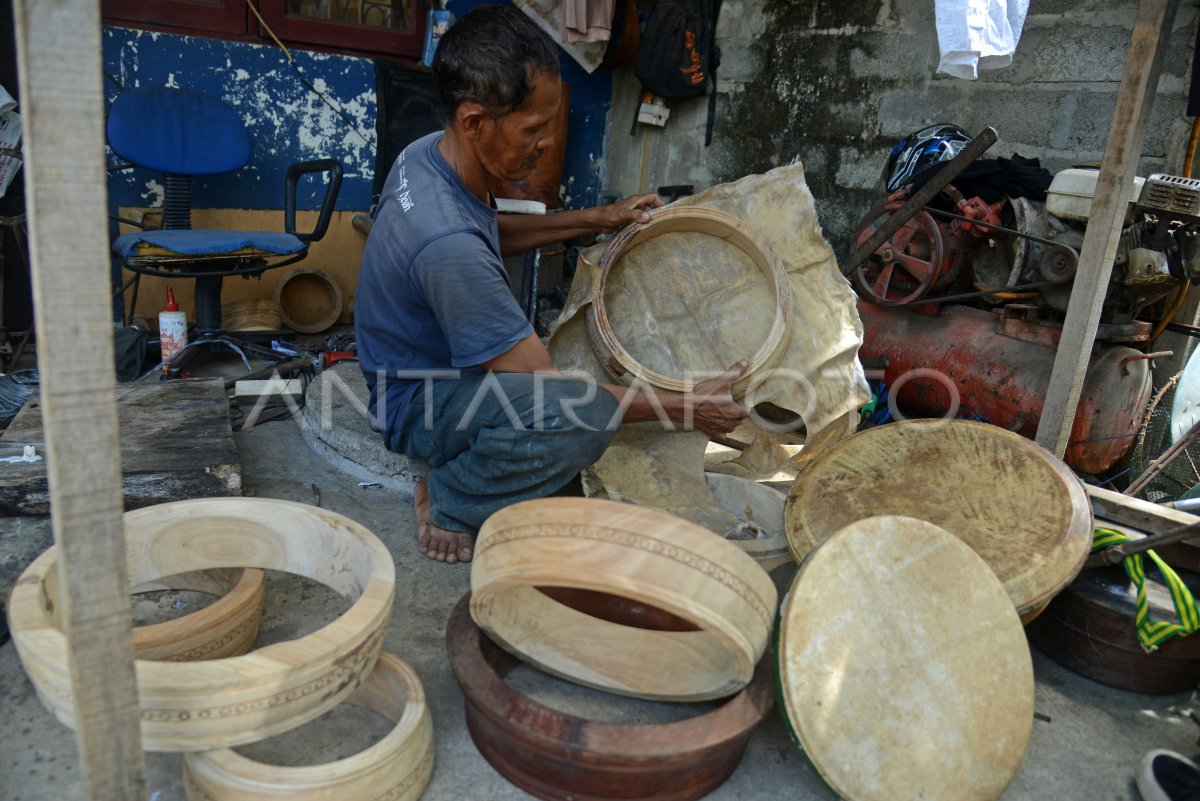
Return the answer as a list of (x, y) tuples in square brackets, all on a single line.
[(978, 34)]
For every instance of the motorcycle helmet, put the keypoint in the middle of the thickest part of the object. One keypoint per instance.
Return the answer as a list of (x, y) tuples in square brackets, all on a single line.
[(918, 156)]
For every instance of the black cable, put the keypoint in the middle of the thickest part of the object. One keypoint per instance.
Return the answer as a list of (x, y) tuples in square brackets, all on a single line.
[(304, 79), (983, 293)]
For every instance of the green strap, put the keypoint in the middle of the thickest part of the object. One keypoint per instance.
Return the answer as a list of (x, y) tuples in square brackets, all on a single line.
[(1153, 633)]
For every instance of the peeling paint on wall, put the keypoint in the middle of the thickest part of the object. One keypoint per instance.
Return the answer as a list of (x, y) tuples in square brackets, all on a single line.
[(288, 121)]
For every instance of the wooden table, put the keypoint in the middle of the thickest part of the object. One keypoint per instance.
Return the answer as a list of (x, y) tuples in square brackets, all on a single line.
[(176, 443)]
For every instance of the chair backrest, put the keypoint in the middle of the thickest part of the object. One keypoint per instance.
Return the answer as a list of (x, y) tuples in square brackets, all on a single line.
[(178, 131)]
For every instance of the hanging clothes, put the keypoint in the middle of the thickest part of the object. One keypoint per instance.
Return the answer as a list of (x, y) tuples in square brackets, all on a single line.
[(978, 34), (587, 20), (550, 17)]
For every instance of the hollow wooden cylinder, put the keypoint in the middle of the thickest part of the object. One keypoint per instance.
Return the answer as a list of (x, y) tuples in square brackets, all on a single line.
[(310, 300), (638, 553), (1090, 628), (189, 706), (700, 221), (397, 768), (761, 507), (254, 314), (557, 756), (1012, 501), (226, 627)]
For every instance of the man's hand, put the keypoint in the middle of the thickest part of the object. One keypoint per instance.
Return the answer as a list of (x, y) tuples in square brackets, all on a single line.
[(631, 209), (711, 406), (523, 232)]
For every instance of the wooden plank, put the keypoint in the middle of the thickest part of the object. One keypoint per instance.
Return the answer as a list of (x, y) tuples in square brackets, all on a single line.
[(58, 56), (176, 443), (1143, 63), (1134, 512), (1137, 518)]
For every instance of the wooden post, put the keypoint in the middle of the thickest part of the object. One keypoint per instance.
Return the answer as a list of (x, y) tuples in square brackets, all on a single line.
[(1143, 63), (58, 48)]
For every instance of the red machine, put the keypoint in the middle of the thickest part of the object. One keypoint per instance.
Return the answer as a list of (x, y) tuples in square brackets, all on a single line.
[(996, 366), (963, 301), (920, 294)]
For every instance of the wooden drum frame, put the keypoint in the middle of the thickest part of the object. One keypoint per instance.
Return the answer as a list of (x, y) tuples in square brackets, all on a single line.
[(190, 706), (226, 627), (638, 553), (763, 502), (397, 768), (985, 485), (903, 669), (698, 220), (556, 756)]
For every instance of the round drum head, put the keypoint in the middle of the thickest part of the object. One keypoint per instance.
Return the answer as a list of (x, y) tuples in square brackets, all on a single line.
[(1020, 508), (903, 668)]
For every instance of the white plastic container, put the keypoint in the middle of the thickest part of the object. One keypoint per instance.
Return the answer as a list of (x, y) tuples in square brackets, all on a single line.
[(172, 329), (1070, 194)]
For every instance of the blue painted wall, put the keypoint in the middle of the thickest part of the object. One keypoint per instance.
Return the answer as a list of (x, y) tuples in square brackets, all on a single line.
[(289, 122)]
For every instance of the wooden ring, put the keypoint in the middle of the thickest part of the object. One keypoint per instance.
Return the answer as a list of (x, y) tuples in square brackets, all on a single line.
[(753, 502), (556, 756), (397, 768), (252, 314), (696, 220), (903, 670), (310, 300), (190, 706), (226, 627), (636, 552), (1011, 500)]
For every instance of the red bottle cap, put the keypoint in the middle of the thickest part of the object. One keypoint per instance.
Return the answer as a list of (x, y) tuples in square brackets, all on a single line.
[(171, 304)]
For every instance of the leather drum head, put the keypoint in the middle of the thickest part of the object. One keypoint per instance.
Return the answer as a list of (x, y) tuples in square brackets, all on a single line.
[(903, 668), (1018, 506)]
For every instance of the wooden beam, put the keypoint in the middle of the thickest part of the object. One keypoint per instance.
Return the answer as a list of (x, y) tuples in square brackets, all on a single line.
[(1126, 135), (58, 49), (1134, 512)]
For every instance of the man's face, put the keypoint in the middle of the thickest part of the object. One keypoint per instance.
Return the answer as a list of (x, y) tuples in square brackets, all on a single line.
[(512, 144)]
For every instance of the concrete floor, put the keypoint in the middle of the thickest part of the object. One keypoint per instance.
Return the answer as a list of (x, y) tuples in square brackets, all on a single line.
[(1086, 742)]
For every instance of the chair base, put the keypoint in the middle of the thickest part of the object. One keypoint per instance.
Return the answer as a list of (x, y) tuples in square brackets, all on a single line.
[(212, 342)]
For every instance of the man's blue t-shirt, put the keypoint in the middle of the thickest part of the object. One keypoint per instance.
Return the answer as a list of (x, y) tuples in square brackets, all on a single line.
[(433, 295)]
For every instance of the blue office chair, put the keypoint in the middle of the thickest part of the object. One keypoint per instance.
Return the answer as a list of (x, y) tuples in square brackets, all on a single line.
[(183, 133)]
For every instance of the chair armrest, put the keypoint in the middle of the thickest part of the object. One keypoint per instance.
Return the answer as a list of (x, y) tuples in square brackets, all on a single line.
[(332, 166)]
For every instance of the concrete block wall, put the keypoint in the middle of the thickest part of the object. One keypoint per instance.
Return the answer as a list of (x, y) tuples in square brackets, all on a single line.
[(836, 84)]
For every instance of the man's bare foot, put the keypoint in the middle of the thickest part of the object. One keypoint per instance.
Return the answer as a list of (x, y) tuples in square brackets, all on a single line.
[(438, 543)]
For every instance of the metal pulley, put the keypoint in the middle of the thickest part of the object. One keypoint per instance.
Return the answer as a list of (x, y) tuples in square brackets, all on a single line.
[(908, 265), (1036, 245), (1058, 263)]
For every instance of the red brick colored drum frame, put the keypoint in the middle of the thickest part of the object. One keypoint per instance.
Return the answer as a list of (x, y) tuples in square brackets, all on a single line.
[(556, 756)]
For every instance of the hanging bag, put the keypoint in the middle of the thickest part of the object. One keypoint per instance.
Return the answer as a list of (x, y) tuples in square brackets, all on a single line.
[(678, 55)]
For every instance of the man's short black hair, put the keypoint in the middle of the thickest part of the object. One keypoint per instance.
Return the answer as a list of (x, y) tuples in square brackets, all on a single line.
[(490, 57)]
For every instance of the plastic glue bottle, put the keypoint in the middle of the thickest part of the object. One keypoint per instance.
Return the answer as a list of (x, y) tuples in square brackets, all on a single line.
[(172, 329)]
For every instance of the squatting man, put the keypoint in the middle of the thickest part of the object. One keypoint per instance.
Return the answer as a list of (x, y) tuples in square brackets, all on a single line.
[(458, 377)]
